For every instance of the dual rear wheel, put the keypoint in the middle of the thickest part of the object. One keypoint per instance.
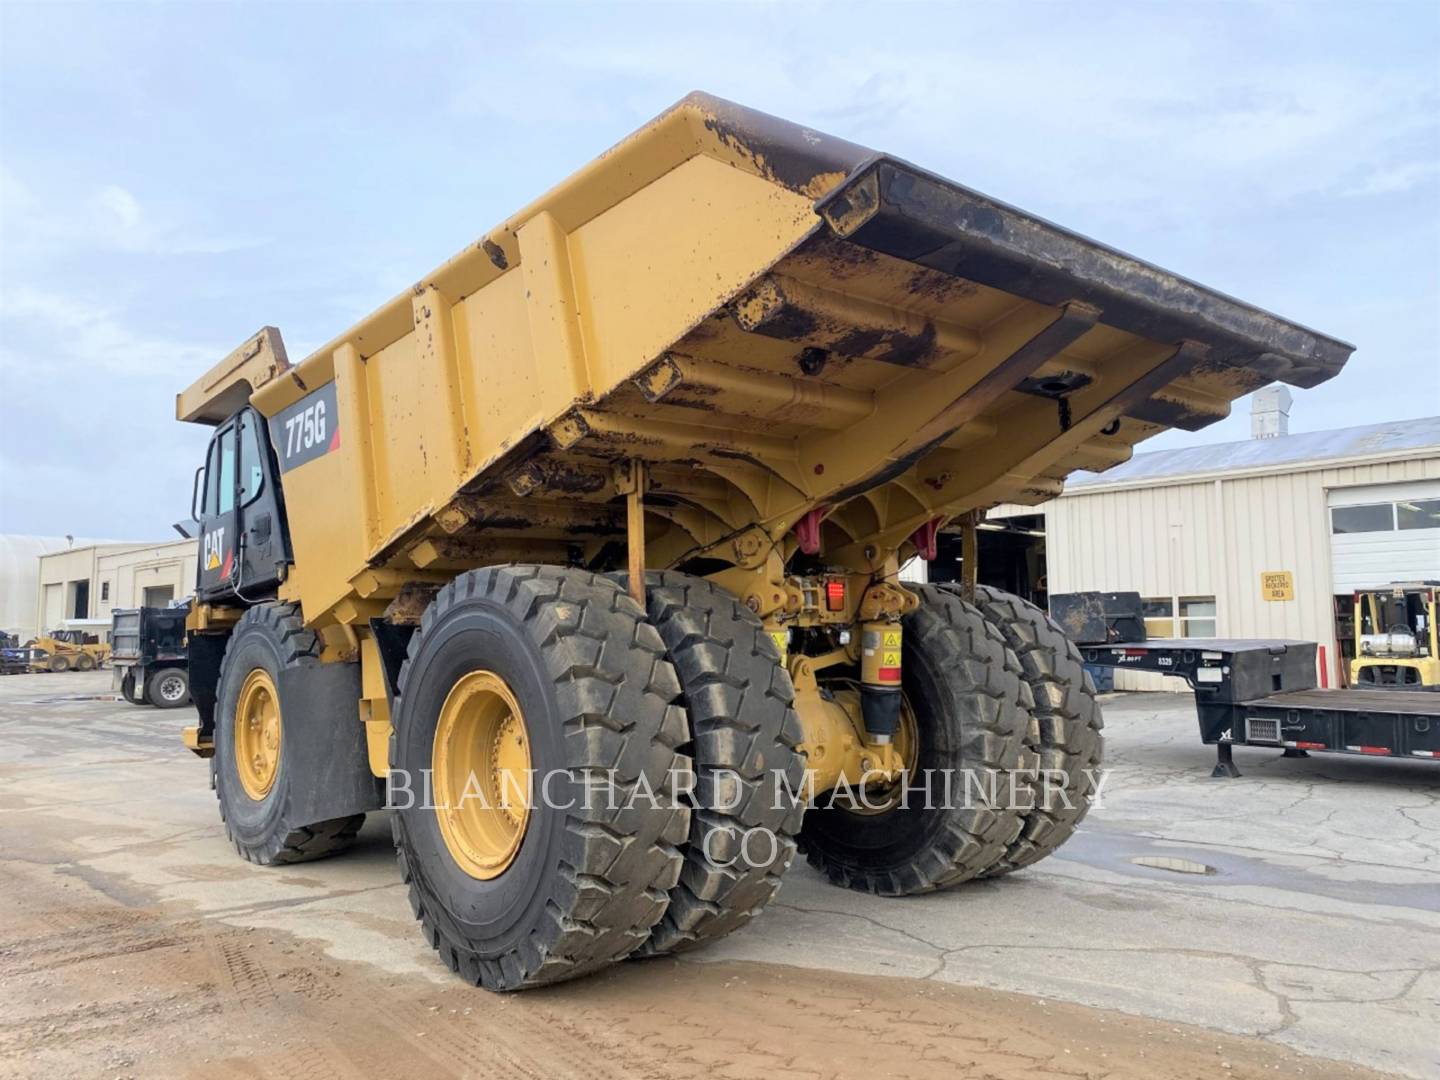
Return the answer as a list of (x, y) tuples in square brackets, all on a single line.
[(542, 703), (576, 779), (1008, 746)]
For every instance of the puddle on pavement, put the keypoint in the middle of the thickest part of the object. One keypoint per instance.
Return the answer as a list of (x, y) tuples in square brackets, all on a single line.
[(1179, 866)]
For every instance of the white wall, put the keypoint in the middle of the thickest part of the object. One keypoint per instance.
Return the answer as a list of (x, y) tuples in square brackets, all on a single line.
[(20, 580)]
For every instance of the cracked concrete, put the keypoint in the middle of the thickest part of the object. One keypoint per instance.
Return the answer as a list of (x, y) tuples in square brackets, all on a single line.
[(1319, 929)]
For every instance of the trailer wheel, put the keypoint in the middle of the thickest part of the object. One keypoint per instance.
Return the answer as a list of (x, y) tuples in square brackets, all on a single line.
[(746, 736), (252, 781), (969, 709), (127, 689), (59, 662), (168, 688), (84, 662), (1065, 735), (556, 672)]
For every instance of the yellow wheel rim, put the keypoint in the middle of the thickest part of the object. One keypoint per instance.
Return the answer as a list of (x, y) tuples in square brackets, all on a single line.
[(481, 763), (257, 734)]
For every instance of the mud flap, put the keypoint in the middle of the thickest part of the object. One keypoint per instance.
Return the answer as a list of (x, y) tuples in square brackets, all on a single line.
[(325, 744)]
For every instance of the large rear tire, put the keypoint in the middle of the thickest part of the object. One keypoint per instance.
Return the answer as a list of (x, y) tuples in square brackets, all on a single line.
[(60, 662), (746, 739), (970, 709), (255, 793), (1065, 736), (85, 662), (579, 878)]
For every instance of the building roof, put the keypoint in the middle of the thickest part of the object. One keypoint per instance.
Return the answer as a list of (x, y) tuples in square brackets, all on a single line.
[(1284, 452)]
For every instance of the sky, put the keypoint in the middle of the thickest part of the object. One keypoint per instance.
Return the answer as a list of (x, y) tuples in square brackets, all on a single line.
[(175, 176)]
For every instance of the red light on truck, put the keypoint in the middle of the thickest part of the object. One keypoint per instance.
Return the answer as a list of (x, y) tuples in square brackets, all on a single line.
[(835, 594)]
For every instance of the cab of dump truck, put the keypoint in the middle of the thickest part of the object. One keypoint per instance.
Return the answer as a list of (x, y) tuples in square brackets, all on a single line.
[(239, 506), (617, 499)]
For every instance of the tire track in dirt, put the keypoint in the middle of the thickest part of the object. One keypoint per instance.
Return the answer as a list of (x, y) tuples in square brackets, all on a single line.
[(251, 1002)]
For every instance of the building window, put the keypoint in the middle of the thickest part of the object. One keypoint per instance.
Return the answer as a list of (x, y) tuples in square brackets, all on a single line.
[(104, 590), (1197, 616), (1159, 616), (1420, 514), (1376, 517)]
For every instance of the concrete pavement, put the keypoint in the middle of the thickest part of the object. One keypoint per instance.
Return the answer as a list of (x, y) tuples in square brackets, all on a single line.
[(1317, 925)]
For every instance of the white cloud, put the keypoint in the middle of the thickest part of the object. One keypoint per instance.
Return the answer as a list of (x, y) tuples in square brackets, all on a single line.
[(1396, 179), (80, 338), (107, 218), (97, 397), (1095, 113)]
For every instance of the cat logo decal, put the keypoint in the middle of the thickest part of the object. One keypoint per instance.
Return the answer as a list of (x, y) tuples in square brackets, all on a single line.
[(215, 551)]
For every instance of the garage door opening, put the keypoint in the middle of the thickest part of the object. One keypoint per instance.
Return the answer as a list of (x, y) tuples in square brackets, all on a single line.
[(1011, 552)]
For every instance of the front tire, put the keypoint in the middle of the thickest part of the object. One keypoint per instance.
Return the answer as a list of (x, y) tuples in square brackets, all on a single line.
[(255, 796), (596, 856), (970, 710), (59, 662)]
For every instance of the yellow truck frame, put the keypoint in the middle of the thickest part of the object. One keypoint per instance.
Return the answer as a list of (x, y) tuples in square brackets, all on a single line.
[(624, 488)]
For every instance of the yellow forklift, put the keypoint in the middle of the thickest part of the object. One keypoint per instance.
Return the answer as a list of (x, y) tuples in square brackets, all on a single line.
[(1395, 637)]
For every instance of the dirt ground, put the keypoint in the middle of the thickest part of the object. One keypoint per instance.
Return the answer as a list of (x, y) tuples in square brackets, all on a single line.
[(97, 983), (124, 953)]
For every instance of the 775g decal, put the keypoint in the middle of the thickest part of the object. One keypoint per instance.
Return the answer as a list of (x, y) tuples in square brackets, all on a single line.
[(306, 430)]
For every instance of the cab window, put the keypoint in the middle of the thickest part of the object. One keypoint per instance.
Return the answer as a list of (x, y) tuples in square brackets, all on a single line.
[(252, 475), (220, 474)]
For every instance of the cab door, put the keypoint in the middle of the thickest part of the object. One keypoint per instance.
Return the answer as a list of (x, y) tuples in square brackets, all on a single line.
[(264, 550), (244, 544), (216, 515)]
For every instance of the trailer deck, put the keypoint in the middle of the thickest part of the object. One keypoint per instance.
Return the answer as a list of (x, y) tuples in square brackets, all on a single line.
[(1263, 693)]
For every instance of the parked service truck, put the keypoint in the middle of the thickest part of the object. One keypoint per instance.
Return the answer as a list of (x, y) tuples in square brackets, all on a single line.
[(616, 498), (148, 656)]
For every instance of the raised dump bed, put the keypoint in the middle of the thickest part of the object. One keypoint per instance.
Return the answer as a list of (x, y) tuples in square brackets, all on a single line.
[(775, 319), (771, 364)]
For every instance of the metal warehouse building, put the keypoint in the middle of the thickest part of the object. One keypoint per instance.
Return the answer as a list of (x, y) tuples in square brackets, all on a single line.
[(1262, 538)]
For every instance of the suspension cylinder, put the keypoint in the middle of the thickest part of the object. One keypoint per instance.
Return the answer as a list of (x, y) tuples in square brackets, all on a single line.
[(880, 679)]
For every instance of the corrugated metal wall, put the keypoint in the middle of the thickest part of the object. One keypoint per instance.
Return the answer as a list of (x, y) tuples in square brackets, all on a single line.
[(1215, 538)]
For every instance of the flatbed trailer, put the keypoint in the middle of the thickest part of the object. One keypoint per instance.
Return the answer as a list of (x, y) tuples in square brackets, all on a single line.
[(1258, 692)]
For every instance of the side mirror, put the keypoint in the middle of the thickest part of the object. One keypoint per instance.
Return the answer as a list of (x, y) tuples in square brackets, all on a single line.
[(195, 494)]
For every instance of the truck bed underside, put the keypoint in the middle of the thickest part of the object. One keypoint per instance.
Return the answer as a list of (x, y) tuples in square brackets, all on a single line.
[(891, 378)]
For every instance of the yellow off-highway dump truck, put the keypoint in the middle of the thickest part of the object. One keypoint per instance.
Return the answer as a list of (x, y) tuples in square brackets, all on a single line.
[(583, 554)]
